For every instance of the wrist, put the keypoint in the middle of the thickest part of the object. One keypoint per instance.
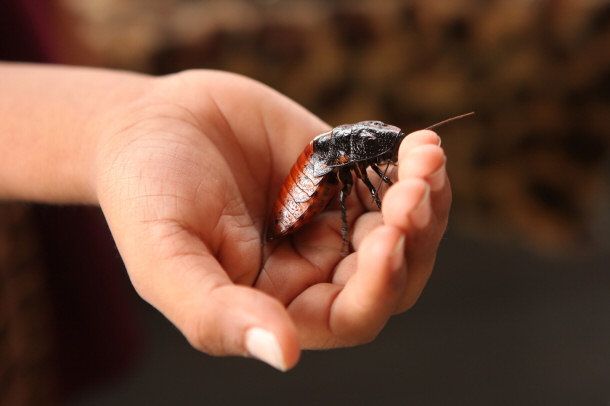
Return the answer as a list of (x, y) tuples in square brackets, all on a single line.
[(53, 118)]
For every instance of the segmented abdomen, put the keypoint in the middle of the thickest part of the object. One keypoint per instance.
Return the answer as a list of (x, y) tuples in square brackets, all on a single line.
[(301, 198)]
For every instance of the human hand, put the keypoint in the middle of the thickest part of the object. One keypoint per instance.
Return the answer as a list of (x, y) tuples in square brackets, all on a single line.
[(186, 175)]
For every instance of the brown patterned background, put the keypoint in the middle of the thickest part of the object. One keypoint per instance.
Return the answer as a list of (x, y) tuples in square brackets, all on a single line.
[(531, 167)]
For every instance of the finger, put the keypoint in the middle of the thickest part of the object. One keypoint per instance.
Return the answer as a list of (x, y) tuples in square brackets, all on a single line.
[(329, 315), (368, 299), (422, 247), (365, 223), (421, 158), (418, 138), (178, 276), (441, 200), (407, 205), (363, 226), (419, 205), (426, 162)]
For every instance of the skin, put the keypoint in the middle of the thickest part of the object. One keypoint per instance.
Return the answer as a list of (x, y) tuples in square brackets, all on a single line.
[(185, 168)]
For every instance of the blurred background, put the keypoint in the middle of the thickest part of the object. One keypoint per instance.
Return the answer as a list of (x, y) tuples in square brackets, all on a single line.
[(518, 308)]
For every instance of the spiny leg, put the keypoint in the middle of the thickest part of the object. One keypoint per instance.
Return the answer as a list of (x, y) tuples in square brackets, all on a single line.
[(382, 177), (345, 177), (344, 227), (361, 172), (382, 174)]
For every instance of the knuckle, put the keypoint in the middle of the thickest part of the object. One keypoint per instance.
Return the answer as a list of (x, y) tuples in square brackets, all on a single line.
[(201, 338), (365, 335), (405, 305), (360, 327), (196, 337)]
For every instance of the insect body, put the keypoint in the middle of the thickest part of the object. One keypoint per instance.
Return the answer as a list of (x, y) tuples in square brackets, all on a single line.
[(325, 168)]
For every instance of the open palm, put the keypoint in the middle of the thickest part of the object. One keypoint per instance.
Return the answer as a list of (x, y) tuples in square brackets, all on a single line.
[(186, 176)]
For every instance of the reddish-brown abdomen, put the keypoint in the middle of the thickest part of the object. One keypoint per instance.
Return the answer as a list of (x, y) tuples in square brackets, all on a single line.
[(301, 198)]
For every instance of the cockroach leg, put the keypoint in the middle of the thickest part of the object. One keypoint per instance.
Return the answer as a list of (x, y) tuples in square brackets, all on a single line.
[(344, 229), (361, 172), (382, 174)]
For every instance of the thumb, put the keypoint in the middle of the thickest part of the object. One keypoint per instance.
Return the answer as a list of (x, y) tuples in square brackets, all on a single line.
[(216, 316), (238, 320)]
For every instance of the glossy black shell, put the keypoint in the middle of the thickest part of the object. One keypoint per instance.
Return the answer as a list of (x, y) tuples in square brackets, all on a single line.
[(352, 143)]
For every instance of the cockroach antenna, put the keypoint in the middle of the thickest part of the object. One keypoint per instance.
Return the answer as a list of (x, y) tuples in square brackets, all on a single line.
[(433, 126)]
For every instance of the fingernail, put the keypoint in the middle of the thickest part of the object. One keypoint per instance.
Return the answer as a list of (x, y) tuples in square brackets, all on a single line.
[(420, 216), (437, 179), (263, 345), (398, 253)]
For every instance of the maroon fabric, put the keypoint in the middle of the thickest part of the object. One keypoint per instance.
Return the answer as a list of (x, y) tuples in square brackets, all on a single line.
[(26, 32), (97, 332)]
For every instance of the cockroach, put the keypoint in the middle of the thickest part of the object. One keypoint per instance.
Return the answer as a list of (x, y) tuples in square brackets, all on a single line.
[(324, 169)]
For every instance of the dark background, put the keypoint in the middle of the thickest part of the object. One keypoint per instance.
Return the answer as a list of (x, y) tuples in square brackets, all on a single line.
[(495, 326)]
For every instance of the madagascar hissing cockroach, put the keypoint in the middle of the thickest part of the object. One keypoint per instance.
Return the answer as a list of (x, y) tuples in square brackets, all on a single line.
[(325, 168)]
